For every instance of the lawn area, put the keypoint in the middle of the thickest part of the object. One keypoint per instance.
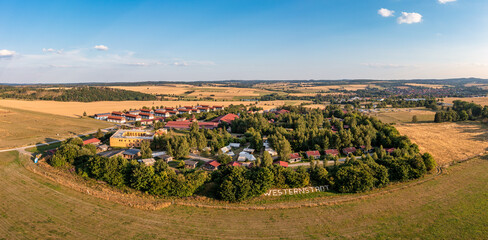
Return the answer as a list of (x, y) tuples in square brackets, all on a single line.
[(451, 206), (24, 127)]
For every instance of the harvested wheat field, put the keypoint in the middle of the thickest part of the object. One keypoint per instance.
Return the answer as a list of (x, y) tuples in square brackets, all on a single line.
[(227, 93), (404, 115), (451, 206), (22, 127), (76, 109), (483, 101), (426, 85), (448, 141)]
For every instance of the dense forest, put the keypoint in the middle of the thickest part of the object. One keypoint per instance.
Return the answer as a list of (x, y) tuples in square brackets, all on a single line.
[(75, 94), (462, 111), (298, 130)]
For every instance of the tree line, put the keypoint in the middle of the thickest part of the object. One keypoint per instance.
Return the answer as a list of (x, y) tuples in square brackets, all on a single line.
[(462, 111)]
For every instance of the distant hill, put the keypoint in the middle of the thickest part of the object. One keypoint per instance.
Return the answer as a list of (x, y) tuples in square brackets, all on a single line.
[(73, 94)]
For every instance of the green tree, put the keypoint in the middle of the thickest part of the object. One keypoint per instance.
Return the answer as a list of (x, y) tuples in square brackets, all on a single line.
[(429, 161), (414, 119), (146, 151), (138, 124), (267, 160), (99, 134)]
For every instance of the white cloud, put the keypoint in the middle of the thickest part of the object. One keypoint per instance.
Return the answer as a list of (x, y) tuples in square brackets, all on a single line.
[(180, 64), (101, 47), (446, 1), (4, 53), (52, 50), (386, 13), (410, 18)]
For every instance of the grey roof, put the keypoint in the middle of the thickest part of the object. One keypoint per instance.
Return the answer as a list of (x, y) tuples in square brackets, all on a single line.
[(190, 162), (132, 151)]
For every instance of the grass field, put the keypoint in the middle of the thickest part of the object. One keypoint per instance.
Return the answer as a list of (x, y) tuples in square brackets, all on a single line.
[(448, 141), (22, 127), (404, 115), (76, 109), (451, 206)]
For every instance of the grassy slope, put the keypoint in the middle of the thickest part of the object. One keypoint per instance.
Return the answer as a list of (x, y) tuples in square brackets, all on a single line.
[(23, 127), (453, 206)]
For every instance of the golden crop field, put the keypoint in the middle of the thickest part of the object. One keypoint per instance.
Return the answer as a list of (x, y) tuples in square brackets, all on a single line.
[(76, 109), (450, 206), (478, 100), (216, 92), (404, 115), (481, 85), (22, 127), (448, 141), (427, 85)]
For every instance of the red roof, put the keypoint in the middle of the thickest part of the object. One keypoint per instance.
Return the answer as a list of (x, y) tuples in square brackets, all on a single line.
[(281, 163), (145, 114), (213, 163), (389, 150), (187, 124), (283, 111), (295, 155), (226, 118), (349, 150), (313, 153), (160, 111), (332, 152), (184, 110), (132, 115), (235, 164), (116, 118), (117, 113), (91, 140), (145, 110)]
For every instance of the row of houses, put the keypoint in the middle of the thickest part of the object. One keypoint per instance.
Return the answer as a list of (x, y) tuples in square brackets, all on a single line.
[(149, 114)]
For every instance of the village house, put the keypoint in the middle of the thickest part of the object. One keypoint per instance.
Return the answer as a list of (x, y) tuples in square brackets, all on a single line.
[(147, 161), (249, 150), (132, 117), (234, 164), (134, 112), (281, 163), (235, 145), (116, 119), (211, 166), (146, 115), (349, 150), (131, 153), (93, 141), (190, 164), (145, 110), (118, 114), (245, 156), (228, 118), (102, 148), (314, 154), (389, 150), (101, 116), (333, 152), (161, 113), (218, 107), (295, 157)]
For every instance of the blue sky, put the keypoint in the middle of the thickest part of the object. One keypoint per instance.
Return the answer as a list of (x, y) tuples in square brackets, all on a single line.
[(101, 41)]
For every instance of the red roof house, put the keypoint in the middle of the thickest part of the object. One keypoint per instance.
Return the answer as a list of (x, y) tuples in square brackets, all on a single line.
[(295, 157), (349, 150), (314, 154), (281, 163), (389, 150), (235, 164), (211, 166), (91, 141), (226, 118), (333, 152)]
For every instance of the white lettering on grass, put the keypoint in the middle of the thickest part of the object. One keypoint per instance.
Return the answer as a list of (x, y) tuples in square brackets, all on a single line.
[(294, 191)]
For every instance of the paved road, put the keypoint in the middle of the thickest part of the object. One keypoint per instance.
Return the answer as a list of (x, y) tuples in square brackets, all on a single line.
[(23, 150)]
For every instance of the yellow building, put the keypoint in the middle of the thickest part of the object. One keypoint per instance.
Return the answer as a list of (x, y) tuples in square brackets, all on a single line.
[(130, 138)]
